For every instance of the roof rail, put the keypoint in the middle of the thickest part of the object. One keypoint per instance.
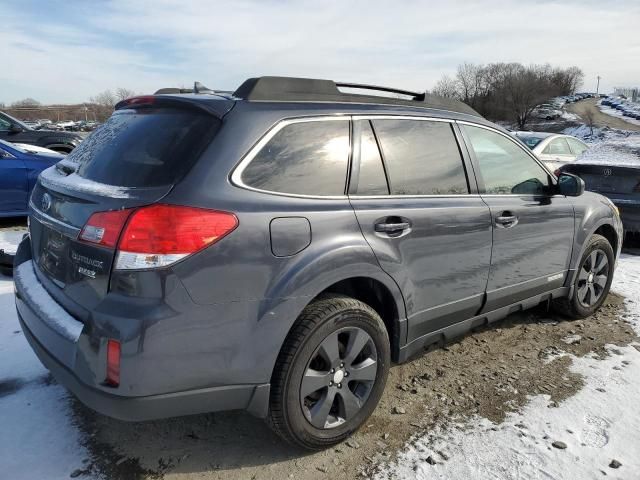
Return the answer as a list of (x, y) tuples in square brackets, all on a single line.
[(361, 86), (291, 89)]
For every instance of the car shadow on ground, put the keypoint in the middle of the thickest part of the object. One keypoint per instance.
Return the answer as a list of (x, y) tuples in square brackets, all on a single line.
[(197, 443)]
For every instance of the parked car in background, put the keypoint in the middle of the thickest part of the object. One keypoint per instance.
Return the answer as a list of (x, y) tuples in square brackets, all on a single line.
[(19, 168), (15, 131), (276, 248), (617, 180), (547, 112), (553, 149)]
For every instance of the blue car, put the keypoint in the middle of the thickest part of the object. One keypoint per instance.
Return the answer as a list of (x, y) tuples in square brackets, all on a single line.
[(20, 166)]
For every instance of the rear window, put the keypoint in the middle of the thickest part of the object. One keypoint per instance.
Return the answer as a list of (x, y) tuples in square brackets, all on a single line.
[(144, 148), (305, 158)]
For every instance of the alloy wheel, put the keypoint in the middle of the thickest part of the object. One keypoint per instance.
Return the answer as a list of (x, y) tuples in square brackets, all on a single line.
[(339, 377), (592, 278)]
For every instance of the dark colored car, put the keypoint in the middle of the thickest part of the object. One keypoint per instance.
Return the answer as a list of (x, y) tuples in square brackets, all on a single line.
[(275, 249), (19, 169), (618, 182), (15, 131)]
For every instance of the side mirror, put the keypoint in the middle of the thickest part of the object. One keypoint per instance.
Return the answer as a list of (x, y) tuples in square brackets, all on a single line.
[(570, 185), (15, 128)]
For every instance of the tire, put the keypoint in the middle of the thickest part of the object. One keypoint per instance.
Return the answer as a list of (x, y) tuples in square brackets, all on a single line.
[(583, 303), (309, 381)]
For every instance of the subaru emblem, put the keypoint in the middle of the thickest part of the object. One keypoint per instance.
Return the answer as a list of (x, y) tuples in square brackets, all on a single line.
[(46, 202), (606, 172)]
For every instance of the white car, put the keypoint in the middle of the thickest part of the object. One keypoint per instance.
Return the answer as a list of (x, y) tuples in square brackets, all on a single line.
[(555, 150)]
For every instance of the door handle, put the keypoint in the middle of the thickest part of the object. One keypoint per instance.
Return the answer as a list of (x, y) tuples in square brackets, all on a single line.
[(506, 220), (391, 227)]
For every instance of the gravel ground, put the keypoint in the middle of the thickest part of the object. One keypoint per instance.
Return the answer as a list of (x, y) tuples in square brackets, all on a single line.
[(488, 373)]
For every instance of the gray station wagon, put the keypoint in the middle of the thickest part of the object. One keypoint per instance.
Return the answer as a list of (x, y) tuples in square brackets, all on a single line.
[(274, 249)]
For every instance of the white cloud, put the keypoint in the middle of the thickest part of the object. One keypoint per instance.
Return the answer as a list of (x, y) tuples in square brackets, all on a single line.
[(145, 45)]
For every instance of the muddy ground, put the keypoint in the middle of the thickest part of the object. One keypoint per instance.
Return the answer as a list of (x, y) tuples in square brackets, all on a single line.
[(489, 372)]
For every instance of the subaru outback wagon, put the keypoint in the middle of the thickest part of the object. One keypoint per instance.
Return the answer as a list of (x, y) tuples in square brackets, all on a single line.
[(274, 249)]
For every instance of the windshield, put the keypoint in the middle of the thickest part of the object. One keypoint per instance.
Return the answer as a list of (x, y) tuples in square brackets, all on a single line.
[(144, 148), (10, 119)]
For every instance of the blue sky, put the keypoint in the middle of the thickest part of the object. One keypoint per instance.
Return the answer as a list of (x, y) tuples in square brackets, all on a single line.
[(67, 51)]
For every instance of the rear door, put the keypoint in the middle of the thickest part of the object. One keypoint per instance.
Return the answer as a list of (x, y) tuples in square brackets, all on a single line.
[(13, 183), (533, 228), (131, 160), (426, 223)]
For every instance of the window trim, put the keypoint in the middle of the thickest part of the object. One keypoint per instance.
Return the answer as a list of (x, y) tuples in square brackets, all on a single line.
[(478, 175), (236, 174), (465, 158)]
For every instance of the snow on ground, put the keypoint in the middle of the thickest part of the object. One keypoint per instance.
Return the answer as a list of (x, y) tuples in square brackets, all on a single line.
[(598, 425), (617, 113), (9, 239), (38, 439)]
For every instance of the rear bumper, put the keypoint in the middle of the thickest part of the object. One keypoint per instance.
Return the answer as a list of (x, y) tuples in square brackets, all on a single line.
[(76, 358), (253, 398)]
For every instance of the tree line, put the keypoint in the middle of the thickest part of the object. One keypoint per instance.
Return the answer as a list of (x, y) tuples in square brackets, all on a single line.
[(508, 91)]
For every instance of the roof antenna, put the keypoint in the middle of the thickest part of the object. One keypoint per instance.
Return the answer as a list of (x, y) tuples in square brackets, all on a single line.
[(200, 88)]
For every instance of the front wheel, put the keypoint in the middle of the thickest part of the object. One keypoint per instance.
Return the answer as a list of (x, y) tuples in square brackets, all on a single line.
[(330, 373), (593, 280)]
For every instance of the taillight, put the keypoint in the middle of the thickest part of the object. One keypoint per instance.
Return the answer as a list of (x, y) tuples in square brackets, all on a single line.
[(113, 363), (103, 228), (159, 235)]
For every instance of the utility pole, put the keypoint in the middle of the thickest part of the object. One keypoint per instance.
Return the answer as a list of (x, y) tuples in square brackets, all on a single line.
[(598, 85)]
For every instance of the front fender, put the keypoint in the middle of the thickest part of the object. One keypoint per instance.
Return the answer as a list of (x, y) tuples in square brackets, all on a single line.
[(592, 212)]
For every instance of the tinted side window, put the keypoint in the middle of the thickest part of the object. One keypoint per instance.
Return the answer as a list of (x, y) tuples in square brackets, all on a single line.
[(559, 146), (371, 178), (4, 125), (422, 157), (306, 158), (504, 167)]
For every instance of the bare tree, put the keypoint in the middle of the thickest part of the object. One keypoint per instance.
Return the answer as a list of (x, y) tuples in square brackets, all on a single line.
[(446, 87), (27, 102), (589, 117), (124, 93), (508, 91)]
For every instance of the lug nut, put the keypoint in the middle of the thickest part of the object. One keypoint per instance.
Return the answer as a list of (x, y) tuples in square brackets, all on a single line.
[(339, 385), (346, 374), (330, 384), (333, 370), (341, 365)]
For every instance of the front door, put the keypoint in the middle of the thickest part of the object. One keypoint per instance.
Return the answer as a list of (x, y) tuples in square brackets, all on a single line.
[(428, 227), (533, 228)]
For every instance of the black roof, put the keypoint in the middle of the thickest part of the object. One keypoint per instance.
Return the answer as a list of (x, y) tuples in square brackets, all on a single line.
[(292, 89)]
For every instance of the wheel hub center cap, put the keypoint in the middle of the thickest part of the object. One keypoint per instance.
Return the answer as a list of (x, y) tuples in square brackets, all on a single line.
[(338, 376), (591, 278)]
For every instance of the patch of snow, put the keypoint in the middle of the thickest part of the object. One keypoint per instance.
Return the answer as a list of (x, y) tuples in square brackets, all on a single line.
[(38, 439), (598, 424), (9, 239), (50, 311), (52, 178), (617, 113), (570, 116)]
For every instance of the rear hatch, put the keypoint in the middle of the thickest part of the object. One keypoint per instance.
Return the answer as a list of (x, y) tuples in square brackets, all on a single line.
[(133, 160)]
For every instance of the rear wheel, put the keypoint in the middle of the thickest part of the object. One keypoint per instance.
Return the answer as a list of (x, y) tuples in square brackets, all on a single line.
[(330, 373), (593, 280)]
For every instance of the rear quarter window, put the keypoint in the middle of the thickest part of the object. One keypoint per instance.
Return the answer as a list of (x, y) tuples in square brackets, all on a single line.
[(144, 148), (304, 158)]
